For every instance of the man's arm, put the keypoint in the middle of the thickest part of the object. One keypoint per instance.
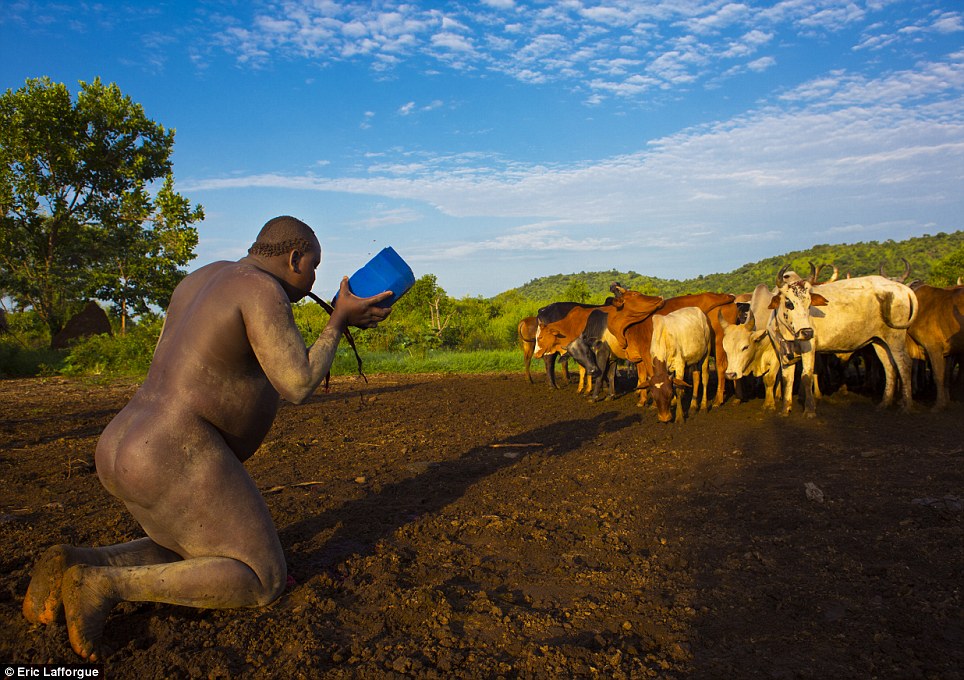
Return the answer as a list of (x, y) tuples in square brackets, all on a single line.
[(277, 343), (294, 372)]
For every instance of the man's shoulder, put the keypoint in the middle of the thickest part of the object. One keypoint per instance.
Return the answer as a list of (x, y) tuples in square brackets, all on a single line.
[(229, 282), (227, 272)]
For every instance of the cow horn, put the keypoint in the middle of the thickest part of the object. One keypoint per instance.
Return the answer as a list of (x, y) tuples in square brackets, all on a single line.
[(898, 279), (750, 322), (959, 281), (836, 273), (783, 270), (906, 270), (813, 273), (723, 323)]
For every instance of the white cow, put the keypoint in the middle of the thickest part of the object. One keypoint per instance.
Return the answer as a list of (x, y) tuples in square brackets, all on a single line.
[(681, 343), (749, 350), (842, 317)]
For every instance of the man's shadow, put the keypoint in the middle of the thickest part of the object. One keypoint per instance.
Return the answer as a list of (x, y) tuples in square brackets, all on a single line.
[(356, 526)]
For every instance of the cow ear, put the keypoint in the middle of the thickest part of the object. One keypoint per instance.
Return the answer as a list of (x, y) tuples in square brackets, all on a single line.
[(643, 385), (756, 336), (818, 300), (719, 316), (774, 302), (679, 382)]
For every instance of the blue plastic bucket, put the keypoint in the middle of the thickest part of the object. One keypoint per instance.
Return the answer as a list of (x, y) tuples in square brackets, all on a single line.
[(386, 271)]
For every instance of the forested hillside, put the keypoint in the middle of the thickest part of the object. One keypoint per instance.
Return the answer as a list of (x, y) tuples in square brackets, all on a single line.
[(857, 259), (428, 319)]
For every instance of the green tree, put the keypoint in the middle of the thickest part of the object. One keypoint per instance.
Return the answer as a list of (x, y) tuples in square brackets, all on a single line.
[(424, 313), (577, 291), (76, 216), (144, 264), (948, 270)]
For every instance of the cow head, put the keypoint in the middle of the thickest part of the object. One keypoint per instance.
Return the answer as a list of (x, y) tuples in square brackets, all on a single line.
[(583, 350), (550, 339), (792, 302), (662, 386), (741, 342)]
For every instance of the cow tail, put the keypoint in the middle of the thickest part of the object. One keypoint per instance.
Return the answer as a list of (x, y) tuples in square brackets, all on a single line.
[(887, 300)]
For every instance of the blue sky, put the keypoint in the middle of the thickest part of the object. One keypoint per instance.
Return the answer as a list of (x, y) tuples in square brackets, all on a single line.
[(498, 141)]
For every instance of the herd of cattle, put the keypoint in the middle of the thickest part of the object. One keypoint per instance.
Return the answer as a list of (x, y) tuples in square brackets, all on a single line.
[(771, 333)]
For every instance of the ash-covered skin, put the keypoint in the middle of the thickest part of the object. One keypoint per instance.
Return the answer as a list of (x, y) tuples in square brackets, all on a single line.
[(229, 351)]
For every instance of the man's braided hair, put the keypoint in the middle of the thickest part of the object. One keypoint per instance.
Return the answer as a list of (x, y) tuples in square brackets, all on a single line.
[(281, 235)]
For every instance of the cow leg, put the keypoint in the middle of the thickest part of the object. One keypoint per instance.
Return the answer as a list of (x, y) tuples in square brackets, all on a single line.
[(704, 375), (741, 391), (679, 392), (550, 361), (941, 370), (810, 404), (583, 380), (597, 384), (818, 366), (565, 367), (788, 375), (897, 347), (527, 350), (904, 370), (769, 387), (602, 359), (888, 360), (806, 384), (720, 362)]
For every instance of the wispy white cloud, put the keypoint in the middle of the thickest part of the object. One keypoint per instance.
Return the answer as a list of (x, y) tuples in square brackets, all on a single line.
[(843, 143), (878, 36), (614, 49), (548, 236)]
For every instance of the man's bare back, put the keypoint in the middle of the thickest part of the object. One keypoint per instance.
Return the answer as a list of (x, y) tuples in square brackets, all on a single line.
[(174, 455)]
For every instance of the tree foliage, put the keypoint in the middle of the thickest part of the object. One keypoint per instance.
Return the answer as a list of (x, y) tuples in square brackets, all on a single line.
[(479, 323), (949, 270), (76, 216), (856, 259)]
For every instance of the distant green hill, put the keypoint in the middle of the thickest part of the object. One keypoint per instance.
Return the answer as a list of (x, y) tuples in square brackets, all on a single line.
[(857, 259)]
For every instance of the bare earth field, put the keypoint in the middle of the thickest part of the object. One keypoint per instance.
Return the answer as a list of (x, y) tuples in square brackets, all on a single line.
[(480, 526)]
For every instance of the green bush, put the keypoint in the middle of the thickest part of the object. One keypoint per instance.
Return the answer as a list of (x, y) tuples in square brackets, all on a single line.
[(19, 361), (121, 355)]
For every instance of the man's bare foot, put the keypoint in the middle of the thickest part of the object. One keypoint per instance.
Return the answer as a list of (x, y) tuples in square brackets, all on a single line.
[(43, 603), (88, 599)]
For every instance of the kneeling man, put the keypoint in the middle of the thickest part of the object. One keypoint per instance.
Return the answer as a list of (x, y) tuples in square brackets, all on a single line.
[(228, 352)]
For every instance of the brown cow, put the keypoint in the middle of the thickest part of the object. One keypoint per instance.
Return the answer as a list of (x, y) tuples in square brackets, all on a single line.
[(527, 329), (527, 338), (939, 329), (618, 318), (635, 339), (553, 337)]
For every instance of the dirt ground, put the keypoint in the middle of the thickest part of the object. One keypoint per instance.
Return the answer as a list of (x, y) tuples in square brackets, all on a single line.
[(483, 527)]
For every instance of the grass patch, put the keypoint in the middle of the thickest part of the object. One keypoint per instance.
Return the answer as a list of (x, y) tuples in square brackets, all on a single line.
[(130, 356), (432, 361)]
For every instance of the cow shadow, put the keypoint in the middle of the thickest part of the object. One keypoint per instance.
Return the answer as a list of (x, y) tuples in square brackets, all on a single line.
[(357, 525)]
